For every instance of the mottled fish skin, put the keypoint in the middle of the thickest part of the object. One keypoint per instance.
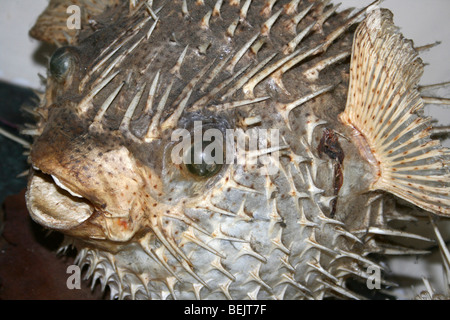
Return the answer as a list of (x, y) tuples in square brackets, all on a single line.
[(149, 228)]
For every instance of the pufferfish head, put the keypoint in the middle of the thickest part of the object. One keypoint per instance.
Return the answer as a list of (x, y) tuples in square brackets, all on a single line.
[(93, 177)]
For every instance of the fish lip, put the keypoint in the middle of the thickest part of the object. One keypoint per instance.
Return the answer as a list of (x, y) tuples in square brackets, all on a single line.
[(54, 205)]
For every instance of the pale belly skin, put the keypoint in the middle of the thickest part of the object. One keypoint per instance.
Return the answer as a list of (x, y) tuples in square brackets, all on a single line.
[(296, 226)]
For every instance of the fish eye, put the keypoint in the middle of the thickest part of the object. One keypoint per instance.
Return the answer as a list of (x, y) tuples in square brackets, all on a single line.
[(203, 160), (62, 62)]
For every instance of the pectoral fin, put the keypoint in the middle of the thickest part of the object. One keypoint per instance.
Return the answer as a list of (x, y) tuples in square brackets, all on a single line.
[(382, 107)]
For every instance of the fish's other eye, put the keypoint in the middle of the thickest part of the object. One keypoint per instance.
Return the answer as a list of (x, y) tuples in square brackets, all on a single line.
[(62, 63), (204, 160)]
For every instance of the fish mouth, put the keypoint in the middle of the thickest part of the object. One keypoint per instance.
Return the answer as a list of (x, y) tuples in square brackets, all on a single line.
[(53, 205)]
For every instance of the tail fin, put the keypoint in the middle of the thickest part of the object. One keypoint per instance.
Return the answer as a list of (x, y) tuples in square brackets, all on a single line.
[(382, 107)]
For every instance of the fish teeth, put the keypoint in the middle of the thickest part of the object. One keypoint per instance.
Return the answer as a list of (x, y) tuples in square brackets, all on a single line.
[(62, 186)]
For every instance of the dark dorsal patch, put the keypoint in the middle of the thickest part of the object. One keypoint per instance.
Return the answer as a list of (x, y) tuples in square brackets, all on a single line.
[(329, 144)]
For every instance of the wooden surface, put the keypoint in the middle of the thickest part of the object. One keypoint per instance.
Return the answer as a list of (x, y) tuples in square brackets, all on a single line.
[(29, 266)]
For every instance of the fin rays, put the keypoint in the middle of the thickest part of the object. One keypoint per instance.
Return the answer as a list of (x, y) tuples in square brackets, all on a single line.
[(381, 106)]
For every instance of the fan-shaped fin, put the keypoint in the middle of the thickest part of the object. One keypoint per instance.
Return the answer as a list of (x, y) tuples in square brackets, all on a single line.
[(382, 105)]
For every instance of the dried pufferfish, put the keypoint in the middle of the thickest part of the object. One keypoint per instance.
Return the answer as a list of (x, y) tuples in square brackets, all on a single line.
[(351, 146)]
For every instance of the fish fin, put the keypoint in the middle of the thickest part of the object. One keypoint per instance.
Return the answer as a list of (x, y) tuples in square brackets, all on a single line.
[(52, 24), (382, 108)]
